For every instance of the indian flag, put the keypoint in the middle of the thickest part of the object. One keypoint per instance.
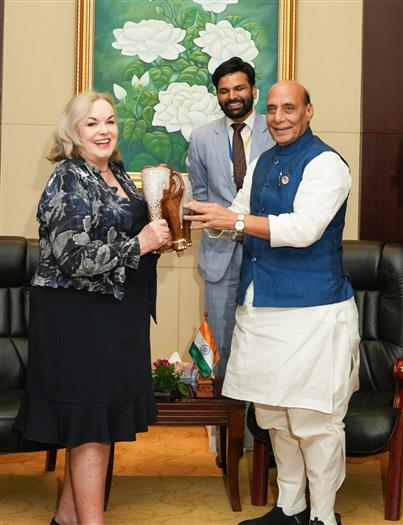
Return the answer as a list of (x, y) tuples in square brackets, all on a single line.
[(203, 350)]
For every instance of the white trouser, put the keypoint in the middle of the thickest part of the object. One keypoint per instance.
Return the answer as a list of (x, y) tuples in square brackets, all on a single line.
[(307, 444)]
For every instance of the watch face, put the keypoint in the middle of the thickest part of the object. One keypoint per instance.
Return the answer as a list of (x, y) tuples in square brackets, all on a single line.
[(239, 226)]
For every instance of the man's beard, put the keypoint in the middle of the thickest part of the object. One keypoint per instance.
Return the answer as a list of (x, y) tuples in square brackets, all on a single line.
[(247, 105)]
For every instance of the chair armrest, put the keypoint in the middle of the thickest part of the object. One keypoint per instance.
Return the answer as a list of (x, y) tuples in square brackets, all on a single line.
[(398, 374)]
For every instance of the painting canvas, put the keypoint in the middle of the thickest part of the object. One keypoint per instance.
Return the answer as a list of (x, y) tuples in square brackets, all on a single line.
[(156, 57)]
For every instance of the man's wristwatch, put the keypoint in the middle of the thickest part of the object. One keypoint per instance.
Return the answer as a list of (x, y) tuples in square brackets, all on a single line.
[(240, 224)]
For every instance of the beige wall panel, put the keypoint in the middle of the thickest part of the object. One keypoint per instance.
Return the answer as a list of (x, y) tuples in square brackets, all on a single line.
[(189, 258), (38, 67), (328, 61), (25, 172), (348, 145), (191, 309), (164, 334), (169, 260)]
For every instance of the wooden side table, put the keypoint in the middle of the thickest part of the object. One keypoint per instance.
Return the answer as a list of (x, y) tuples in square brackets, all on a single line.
[(227, 414)]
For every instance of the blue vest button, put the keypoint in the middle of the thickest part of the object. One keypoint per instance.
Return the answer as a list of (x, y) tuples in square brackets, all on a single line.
[(253, 259)]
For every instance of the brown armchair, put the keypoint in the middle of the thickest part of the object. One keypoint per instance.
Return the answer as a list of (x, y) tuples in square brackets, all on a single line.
[(374, 421)]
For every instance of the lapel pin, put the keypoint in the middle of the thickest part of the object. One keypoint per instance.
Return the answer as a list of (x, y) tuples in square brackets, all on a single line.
[(284, 179)]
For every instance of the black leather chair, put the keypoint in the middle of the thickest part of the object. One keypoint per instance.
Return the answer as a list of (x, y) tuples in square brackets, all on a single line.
[(374, 422), (18, 259)]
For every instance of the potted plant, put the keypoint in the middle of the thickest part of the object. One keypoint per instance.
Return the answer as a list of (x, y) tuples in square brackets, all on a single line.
[(166, 379)]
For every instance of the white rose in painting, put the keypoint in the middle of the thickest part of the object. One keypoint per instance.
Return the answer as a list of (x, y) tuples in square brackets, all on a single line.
[(149, 39), (216, 6), (222, 41), (183, 107)]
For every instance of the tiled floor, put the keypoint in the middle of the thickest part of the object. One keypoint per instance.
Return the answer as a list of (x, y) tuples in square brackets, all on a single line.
[(168, 477)]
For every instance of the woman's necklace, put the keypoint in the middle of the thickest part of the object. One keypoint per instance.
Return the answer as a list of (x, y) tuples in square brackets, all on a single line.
[(105, 171)]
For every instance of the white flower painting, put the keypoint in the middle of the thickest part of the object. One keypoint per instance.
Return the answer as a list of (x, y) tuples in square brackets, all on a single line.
[(222, 41), (183, 107), (157, 58), (149, 39), (216, 6)]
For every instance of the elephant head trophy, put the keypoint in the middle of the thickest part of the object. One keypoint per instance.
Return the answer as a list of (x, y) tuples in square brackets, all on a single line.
[(166, 192)]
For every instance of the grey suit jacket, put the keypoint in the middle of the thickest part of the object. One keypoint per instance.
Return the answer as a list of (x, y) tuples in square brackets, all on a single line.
[(210, 173)]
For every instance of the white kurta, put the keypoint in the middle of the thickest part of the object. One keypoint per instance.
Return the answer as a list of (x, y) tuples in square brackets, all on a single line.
[(297, 357)]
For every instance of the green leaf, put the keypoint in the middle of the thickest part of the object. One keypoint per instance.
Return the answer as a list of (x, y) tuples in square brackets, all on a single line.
[(202, 17), (194, 75), (191, 34), (148, 115), (177, 153), (235, 20), (186, 17), (134, 129), (148, 98), (159, 10), (158, 144), (129, 129), (182, 389), (199, 57), (140, 129), (181, 64), (258, 35), (140, 160), (123, 111), (178, 139), (161, 75), (137, 67)]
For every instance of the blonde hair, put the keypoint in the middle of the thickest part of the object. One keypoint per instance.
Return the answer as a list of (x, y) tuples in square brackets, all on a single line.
[(66, 137)]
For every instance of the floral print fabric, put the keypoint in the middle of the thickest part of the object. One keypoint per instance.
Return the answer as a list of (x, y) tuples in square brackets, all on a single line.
[(87, 232)]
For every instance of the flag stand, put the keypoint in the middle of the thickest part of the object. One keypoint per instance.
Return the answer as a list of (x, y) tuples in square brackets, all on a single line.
[(205, 387), (205, 356)]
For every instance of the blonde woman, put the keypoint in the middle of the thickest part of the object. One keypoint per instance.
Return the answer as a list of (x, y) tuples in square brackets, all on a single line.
[(89, 379)]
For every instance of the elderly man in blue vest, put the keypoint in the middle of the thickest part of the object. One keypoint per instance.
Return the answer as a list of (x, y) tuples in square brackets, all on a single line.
[(295, 345)]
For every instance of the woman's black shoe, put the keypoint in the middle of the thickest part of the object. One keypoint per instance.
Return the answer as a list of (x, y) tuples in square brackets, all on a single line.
[(54, 522)]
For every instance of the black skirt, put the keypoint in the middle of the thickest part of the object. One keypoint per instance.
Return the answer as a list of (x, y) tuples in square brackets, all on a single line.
[(89, 364)]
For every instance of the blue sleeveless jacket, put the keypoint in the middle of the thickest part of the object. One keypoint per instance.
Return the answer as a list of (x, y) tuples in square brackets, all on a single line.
[(292, 277)]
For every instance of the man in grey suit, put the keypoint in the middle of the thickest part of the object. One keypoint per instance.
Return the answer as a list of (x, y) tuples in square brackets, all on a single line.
[(211, 172)]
